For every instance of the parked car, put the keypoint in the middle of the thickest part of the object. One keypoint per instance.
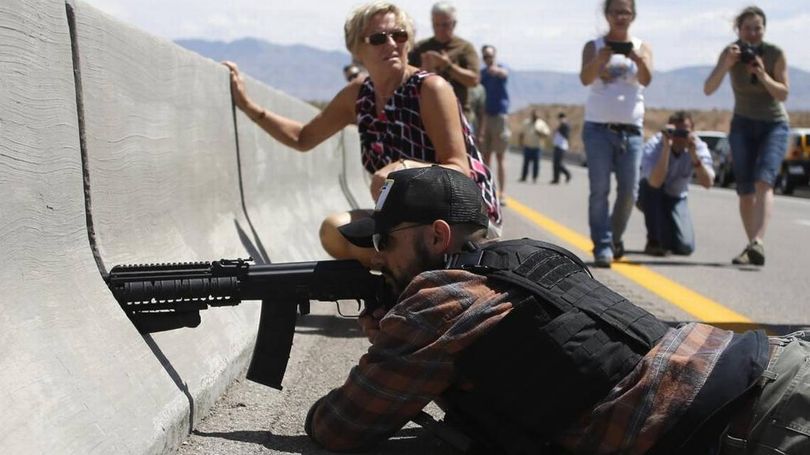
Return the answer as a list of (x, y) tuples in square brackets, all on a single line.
[(796, 165), (721, 155)]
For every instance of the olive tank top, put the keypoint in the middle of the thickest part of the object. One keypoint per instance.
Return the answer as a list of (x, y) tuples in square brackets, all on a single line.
[(751, 99)]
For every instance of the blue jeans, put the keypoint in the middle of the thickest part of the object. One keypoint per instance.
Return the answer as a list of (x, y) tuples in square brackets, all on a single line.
[(667, 218), (530, 155), (609, 152), (757, 149)]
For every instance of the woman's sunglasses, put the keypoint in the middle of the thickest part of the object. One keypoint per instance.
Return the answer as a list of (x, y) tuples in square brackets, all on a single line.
[(375, 39), (380, 239)]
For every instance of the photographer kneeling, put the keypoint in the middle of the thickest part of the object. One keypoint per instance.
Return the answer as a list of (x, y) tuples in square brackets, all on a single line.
[(667, 164)]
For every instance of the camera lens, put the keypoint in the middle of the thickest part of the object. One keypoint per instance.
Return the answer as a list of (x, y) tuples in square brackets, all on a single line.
[(747, 53)]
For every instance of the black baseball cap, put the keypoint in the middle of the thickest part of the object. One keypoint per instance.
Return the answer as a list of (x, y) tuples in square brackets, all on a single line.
[(420, 195)]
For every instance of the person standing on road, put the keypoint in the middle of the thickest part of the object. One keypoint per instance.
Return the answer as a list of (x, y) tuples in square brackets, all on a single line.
[(406, 117), (495, 133), (532, 134), (561, 141), (670, 159), (448, 55), (616, 67), (759, 128), (527, 353)]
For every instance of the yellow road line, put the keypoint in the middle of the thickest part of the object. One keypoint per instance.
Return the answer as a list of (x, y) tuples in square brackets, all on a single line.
[(693, 303)]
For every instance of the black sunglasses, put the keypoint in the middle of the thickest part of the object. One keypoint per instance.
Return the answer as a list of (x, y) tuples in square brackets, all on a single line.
[(380, 239), (375, 39)]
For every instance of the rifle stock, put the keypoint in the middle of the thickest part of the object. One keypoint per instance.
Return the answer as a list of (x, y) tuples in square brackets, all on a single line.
[(160, 297)]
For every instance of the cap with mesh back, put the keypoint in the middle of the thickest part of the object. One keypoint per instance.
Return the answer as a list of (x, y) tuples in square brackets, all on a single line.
[(421, 195)]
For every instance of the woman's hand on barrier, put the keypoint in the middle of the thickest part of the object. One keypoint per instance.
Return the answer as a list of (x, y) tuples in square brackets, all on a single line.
[(238, 90)]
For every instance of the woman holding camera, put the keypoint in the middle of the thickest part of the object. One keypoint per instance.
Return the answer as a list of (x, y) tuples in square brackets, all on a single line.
[(406, 118), (759, 128), (616, 67)]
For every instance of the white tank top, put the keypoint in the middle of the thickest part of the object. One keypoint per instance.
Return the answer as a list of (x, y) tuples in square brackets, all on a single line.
[(620, 99)]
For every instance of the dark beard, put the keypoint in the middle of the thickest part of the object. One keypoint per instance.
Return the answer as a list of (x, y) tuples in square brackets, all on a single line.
[(422, 263)]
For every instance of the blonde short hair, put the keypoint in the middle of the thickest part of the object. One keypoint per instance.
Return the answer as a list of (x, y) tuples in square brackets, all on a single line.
[(358, 21)]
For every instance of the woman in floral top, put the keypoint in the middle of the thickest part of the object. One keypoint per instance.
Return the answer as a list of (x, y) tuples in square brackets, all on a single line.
[(406, 118)]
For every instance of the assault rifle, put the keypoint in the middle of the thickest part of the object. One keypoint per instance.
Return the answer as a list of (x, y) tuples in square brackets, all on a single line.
[(166, 296)]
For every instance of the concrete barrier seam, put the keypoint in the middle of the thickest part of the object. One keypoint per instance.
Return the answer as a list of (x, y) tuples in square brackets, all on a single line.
[(344, 184), (259, 246), (77, 81)]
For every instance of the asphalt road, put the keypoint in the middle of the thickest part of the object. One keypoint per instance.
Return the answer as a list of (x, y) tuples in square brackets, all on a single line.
[(253, 419), (776, 293)]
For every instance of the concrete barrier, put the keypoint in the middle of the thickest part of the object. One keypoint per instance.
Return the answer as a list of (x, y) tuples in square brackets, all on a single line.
[(163, 183), (288, 193), (355, 179), (66, 371), (134, 158)]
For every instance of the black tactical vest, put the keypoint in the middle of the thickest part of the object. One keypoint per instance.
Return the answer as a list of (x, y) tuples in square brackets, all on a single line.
[(557, 353)]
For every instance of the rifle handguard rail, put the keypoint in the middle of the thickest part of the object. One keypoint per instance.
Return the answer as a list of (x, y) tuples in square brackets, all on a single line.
[(178, 286)]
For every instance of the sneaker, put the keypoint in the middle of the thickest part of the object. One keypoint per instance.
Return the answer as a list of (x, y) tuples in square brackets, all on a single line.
[(756, 252), (602, 262), (618, 249), (742, 258)]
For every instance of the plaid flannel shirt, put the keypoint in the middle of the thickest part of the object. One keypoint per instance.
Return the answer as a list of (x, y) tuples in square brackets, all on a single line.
[(649, 401), (411, 363)]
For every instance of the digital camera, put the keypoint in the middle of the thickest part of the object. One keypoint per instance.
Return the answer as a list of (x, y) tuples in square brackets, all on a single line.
[(748, 53), (620, 47), (676, 132)]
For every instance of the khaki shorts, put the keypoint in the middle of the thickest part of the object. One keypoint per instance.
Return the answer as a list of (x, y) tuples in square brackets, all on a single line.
[(781, 420), (496, 134)]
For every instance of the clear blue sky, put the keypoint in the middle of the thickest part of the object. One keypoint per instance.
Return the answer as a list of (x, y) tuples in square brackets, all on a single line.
[(539, 34)]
